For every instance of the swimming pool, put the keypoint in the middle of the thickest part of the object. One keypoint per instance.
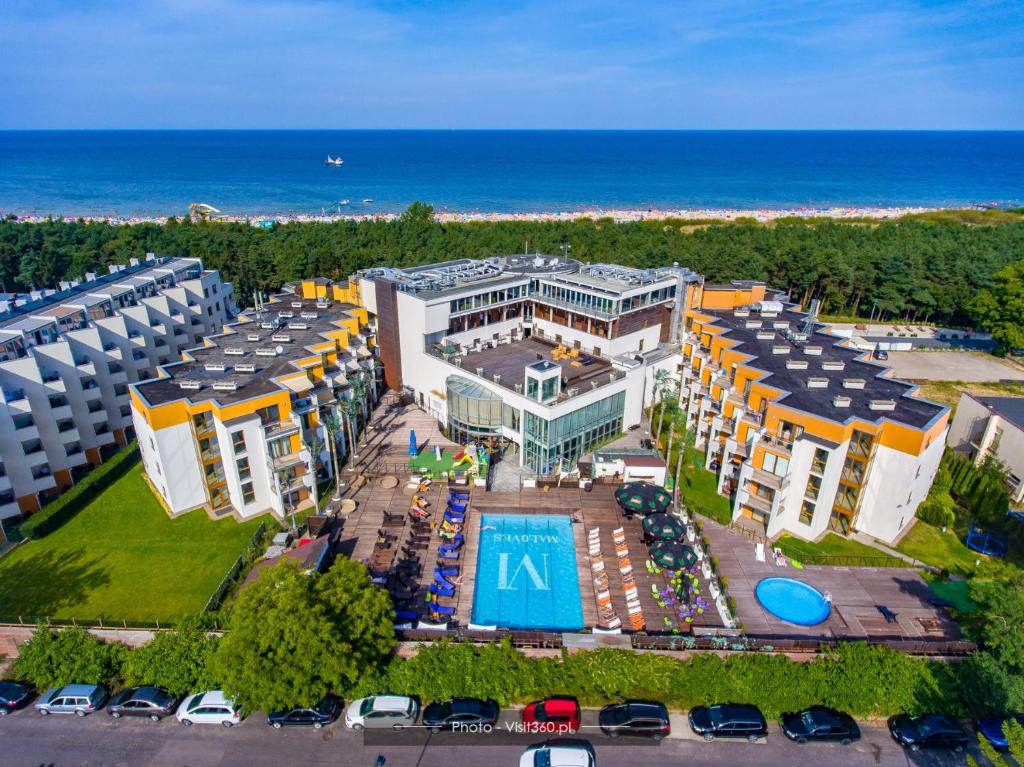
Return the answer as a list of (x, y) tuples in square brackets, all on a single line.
[(526, 573), (793, 601)]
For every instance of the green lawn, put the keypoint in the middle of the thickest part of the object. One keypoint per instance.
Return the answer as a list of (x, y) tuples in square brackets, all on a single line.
[(833, 545), (122, 558), (697, 487), (930, 545), (426, 461), (956, 592)]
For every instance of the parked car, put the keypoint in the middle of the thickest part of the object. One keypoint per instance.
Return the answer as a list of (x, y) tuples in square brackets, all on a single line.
[(992, 729), (881, 354), (79, 699), (13, 695), (558, 716), (211, 707), (460, 712), (154, 702), (728, 720), (928, 731), (325, 712), (645, 718), (559, 753), (377, 711), (820, 723)]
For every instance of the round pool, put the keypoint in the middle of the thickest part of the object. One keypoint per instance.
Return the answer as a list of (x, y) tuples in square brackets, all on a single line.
[(793, 601)]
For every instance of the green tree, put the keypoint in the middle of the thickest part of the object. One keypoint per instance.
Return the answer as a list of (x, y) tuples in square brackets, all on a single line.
[(293, 637), (987, 687), (1000, 615), (177, 660), (69, 656), (1000, 309)]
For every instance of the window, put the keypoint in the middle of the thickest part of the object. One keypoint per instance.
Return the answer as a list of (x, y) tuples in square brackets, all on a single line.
[(243, 468), (248, 494), (853, 471), (819, 461), (813, 487), (860, 443), (846, 498), (775, 464), (806, 512), (238, 441)]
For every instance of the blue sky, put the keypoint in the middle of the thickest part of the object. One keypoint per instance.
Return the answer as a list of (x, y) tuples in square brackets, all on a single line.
[(512, 64)]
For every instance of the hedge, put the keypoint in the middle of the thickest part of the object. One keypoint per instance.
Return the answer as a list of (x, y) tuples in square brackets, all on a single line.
[(55, 514), (865, 680)]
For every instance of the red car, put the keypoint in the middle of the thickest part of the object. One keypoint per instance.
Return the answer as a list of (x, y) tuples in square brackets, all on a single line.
[(554, 716)]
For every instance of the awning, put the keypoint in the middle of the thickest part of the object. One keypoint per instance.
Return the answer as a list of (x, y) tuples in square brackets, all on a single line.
[(353, 365), (362, 351), (298, 384)]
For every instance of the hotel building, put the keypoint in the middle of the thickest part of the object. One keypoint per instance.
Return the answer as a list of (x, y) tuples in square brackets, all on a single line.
[(992, 426), (806, 434), (240, 425), (545, 356), (68, 357)]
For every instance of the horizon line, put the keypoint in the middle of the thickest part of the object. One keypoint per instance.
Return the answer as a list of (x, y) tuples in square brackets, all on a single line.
[(515, 130)]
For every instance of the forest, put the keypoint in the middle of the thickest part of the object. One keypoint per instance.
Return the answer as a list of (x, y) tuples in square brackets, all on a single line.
[(919, 268)]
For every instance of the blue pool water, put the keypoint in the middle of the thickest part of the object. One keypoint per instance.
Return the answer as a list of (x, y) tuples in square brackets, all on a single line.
[(793, 601), (526, 573)]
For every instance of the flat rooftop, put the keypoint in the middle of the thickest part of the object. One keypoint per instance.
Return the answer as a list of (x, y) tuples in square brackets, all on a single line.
[(235, 348), (1009, 408), (510, 360), (761, 342)]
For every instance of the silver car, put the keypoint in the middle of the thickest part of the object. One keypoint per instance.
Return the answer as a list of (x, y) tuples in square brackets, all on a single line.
[(79, 699)]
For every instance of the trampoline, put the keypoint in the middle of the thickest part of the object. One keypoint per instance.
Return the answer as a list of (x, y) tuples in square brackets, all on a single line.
[(986, 543)]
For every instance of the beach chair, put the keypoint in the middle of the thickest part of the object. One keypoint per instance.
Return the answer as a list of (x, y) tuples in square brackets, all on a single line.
[(451, 550), (614, 623), (597, 565), (448, 572), (759, 552), (438, 609), (458, 495), (454, 519), (443, 583), (442, 591)]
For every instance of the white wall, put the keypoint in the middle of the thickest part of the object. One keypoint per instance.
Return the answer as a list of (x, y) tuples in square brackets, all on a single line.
[(172, 463)]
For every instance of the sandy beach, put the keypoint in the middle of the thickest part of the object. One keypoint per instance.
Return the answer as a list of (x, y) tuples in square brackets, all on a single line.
[(614, 214)]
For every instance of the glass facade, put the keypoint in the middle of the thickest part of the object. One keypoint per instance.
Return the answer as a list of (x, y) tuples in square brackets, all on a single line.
[(571, 435), (474, 411)]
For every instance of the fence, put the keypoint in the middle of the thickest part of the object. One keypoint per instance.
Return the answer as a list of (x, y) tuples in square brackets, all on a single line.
[(217, 598), (687, 643), (37, 621)]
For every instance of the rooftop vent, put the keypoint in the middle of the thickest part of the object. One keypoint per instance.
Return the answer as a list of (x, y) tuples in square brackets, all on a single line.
[(882, 404), (298, 326), (742, 312), (796, 364), (752, 324), (854, 383), (833, 365), (189, 384), (780, 325), (286, 315), (780, 349), (234, 351), (245, 367), (309, 315), (817, 382), (765, 335), (225, 386), (800, 337), (841, 400), (480, 372), (322, 305), (296, 304), (814, 351), (267, 326), (253, 337), (214, 367), (266, 352), (281, 338), (519, 388)]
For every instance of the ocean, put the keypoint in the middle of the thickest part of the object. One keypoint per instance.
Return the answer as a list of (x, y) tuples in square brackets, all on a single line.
[(152, 173)]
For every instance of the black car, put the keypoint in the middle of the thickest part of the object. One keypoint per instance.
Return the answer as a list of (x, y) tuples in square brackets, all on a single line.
[(928, 731), (635, 717), (154, 702), (460, 712), (820, 723), (13, 695), (325, 712), (728, 720)]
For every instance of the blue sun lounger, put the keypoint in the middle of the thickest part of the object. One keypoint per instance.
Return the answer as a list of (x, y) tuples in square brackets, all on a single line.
[(406, 615), (459, 494), (455, 519), (442, 591), (447, 572), (451, 550), (459, 507), (441, 609)]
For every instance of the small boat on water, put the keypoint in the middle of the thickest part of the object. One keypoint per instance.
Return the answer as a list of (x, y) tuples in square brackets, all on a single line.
[(333, 161), (342, 202), (368, 200)]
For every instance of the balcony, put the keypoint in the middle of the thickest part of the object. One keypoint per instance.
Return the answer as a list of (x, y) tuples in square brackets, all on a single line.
[(65, 425), (758, 503), (289, 459), (86, 366), (767, 479), (13, 395), (57, 385), (280, 429), (778, 443)]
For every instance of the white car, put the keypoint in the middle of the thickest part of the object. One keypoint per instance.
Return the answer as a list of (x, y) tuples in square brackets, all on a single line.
[(208, 708), (559, 753), (380, 711)]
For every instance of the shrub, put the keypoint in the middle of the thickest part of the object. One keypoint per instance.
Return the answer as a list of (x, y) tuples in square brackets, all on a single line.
[(70, 656), (938, 510), (55, 514), (175, 660)]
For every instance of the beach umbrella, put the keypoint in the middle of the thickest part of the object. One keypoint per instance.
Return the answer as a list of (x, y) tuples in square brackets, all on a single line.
[(412, 443), (663, 526), (673, 555), (642, 498)]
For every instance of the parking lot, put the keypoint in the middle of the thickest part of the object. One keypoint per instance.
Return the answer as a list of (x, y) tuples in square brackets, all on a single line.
[(951, 366), (32, 740)]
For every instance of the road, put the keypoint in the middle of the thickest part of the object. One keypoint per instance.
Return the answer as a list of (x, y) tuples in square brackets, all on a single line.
[(29, 740)]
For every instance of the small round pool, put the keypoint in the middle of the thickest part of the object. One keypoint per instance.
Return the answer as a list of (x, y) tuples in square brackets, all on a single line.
[(793, 601)]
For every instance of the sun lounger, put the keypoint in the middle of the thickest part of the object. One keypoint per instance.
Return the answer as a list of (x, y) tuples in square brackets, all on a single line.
[(441, 609), (759, 552), (406, 615), (458, 495), (442, 591)]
